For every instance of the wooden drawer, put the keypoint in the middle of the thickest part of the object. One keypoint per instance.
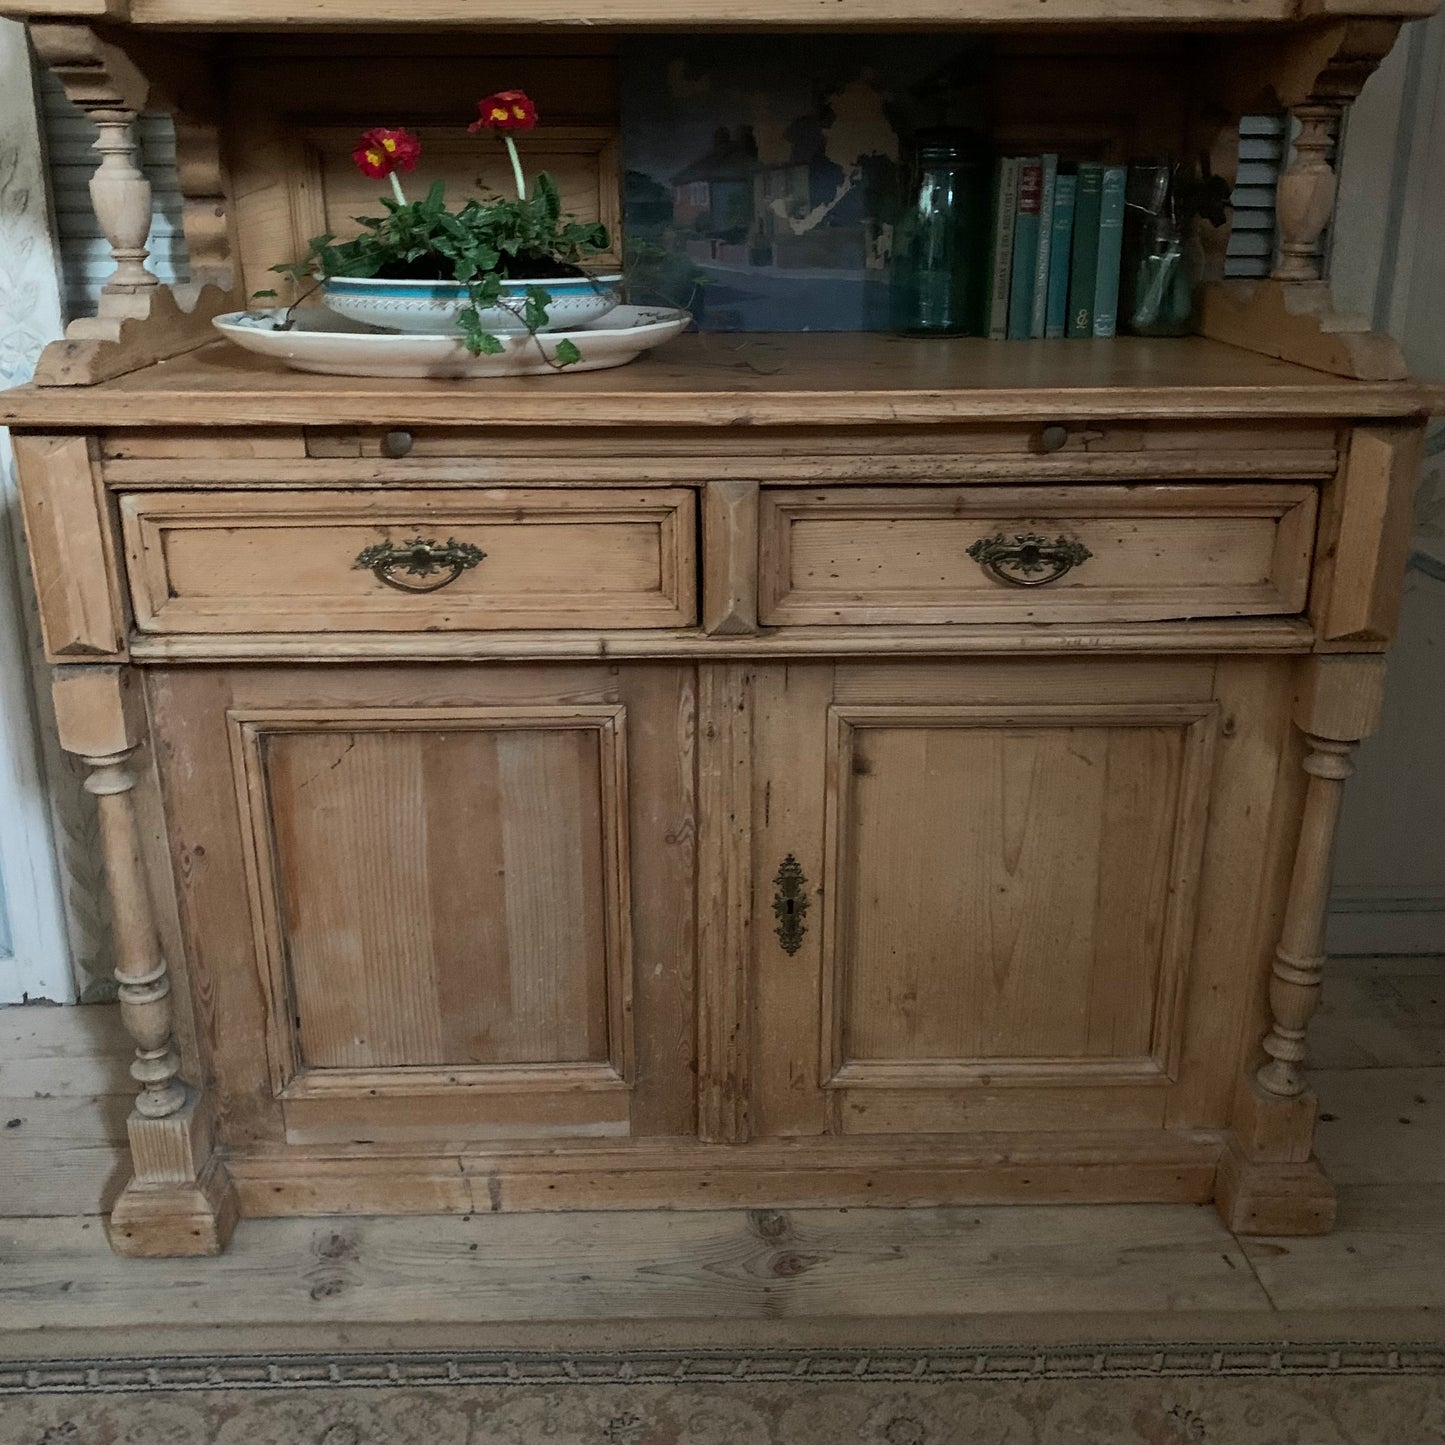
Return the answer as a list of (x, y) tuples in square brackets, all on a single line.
[(902, 555), (251, 561)]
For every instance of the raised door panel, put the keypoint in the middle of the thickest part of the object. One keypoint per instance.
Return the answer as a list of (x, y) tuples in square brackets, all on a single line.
[(1010, 889), (438, 898), (443, 890), (1002, 867)]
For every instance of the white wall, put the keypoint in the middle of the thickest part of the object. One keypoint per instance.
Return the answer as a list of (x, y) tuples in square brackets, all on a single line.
[(34, 953), (1388, 261)]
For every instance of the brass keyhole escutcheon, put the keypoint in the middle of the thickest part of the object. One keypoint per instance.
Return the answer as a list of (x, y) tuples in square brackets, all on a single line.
[(790, 904)]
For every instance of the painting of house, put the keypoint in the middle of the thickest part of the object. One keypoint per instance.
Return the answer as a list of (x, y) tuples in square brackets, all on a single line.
[(763, 180)]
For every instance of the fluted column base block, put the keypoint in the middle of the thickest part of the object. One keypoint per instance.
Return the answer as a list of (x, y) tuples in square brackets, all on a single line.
[(1256, 1196), (181, 1200), (1275, 1128)]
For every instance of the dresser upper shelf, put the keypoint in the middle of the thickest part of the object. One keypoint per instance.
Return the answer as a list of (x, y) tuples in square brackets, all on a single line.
[(669, 15), (742, 379)]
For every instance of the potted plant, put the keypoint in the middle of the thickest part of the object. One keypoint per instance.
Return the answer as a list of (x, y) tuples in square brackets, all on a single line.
[(494, 267)]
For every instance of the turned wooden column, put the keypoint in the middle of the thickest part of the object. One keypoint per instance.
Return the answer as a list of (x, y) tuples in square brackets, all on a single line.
[(179, 1200), (1305, 194), (140, 968), (121, 195), (1338, 705), (1268, 1180), (1299, 960)]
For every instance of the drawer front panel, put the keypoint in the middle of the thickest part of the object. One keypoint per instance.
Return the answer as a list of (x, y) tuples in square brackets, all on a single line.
[(246, 561), (1039, 554)]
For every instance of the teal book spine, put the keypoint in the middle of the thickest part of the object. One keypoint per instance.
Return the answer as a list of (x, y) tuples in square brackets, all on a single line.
[(1061, 236), (1005, 206), (1038, 320), (1111, 251), (1084, 265), (1026, 248)]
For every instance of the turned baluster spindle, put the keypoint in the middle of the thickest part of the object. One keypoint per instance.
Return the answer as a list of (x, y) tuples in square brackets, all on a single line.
[(1294, 985), (121, 195), (140, 969), (1305, 195)]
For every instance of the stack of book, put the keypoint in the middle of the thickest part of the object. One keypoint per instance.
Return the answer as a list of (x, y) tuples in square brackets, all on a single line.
[(1057, 241)]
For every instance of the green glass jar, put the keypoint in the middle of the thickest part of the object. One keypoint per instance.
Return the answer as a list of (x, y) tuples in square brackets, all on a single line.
[(939, 268)]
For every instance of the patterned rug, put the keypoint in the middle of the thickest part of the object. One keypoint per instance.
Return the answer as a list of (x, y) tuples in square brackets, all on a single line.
[(1327, 1394)]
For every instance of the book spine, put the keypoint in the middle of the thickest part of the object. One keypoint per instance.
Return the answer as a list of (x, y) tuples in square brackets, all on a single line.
[(1111, 249), (1038, 320), (1084, 265), (1003, 248), (1026, 248), (1056, 318)]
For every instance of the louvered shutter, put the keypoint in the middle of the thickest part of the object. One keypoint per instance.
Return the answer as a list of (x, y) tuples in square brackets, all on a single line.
[(1262, 140)]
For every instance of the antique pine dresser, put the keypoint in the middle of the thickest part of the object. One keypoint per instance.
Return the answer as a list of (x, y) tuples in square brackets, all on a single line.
[(730, 835)]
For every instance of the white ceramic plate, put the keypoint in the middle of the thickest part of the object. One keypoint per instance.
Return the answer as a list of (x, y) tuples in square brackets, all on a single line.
[(322, 341)]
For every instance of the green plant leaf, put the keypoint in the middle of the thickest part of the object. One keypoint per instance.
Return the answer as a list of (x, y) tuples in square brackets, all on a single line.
[(567, 353)]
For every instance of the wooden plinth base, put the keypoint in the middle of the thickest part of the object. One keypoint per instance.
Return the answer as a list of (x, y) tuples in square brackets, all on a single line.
[(155, 1221), (683, 1174), (1268, 1197), (181, 1200)]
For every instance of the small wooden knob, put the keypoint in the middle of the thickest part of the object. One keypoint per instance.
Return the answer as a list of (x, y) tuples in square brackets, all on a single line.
[(1053, 437), (396, 443)]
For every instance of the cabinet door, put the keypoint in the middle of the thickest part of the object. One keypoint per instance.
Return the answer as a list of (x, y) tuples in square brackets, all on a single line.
[(440, 875), (981, 886)]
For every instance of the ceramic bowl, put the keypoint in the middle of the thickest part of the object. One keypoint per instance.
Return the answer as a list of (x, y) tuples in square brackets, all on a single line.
[(432, 306)]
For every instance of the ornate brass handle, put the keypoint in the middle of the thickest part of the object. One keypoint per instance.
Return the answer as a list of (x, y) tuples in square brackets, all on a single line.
[(1026, 559), (790, 904), (394, 562)]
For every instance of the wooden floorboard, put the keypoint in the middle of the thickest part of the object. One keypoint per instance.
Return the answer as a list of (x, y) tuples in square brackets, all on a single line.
[(731, 1264), (1386, 1252), (1381, 1013), (826, 1276)]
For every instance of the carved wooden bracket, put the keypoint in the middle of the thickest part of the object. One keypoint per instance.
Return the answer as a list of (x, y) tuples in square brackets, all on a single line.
[(1314, 74), (138, 321)]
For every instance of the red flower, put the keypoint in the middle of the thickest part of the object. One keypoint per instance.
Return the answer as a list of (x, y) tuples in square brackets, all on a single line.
[(379, 152), (504, 111)]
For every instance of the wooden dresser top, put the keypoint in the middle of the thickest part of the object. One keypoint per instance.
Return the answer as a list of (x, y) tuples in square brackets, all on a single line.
[(722, 379)]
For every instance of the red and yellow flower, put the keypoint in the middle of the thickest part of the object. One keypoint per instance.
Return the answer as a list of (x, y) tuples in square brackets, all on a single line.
[(383, 151), (507, 110)]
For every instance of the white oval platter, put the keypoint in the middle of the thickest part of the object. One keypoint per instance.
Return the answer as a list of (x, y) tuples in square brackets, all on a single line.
[(320, 340)]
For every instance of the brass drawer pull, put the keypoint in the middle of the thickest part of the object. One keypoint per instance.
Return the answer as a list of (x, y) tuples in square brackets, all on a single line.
[(790, 904), (1021, 559), (394, 562)]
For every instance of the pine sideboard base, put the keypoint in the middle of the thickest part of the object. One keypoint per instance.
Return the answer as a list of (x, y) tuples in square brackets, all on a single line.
[(681, 1174), (1252, 1196)]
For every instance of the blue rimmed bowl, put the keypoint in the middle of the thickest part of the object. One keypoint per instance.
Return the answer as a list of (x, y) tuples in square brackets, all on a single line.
[(432, 306)]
